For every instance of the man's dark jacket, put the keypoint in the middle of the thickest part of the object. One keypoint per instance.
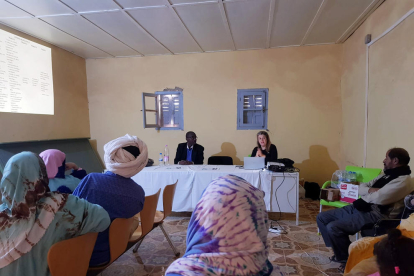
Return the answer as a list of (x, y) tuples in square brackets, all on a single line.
[(197, 156)]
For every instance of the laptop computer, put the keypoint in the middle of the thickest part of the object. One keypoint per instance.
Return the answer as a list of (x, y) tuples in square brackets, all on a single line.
[(254, 163)]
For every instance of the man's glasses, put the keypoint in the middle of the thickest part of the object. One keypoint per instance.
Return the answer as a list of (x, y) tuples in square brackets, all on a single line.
[(192, 137)]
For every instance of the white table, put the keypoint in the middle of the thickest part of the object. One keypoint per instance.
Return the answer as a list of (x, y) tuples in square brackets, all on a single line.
[(193, 179)]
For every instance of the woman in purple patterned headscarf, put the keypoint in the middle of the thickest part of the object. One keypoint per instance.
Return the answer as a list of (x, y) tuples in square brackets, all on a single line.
[(227, 234)]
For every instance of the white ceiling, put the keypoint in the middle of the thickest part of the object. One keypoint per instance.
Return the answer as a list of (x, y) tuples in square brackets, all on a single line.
[(119, 28)]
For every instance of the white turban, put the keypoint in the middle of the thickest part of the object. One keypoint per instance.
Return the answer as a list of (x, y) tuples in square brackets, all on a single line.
[(120, 161)]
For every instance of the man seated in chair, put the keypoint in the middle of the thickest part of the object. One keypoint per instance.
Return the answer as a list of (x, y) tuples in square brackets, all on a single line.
[(114, 190), (190, 152), (382, 197)]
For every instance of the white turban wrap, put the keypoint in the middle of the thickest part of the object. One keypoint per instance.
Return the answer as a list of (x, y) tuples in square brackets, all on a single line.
[(120, 161)]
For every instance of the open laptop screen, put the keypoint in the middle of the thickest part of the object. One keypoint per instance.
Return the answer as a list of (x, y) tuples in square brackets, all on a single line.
[(254, 163)]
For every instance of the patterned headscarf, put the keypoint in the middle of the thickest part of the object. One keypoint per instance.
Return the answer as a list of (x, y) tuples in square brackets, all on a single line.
[(27, 206), (53, 159), (227, 234)]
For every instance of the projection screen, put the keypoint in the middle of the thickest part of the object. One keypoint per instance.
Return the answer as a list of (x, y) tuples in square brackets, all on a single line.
[(26, 81)]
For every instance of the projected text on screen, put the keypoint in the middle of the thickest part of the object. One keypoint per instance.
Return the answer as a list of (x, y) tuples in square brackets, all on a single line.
[(26, 81)]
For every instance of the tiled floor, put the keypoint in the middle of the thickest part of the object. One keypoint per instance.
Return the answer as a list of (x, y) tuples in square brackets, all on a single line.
[(299, 252)]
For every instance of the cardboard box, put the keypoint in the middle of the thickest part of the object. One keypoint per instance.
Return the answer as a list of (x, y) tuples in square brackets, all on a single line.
[(330, 194), (349, 192)]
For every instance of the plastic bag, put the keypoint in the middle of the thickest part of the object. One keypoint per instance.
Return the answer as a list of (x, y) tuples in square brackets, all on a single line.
[(338, 177), (343, 176)]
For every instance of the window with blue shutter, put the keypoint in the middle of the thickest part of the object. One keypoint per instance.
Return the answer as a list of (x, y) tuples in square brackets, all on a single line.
[(169, 113), (252, 108)]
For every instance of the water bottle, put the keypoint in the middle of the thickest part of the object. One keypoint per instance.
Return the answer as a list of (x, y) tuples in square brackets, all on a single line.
[(347, 177), (342, 177), (166, 156), (352, 177), (161, 160)]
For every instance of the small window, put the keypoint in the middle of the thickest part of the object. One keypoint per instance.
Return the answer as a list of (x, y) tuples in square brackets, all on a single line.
[(167, 112), (252, 108)]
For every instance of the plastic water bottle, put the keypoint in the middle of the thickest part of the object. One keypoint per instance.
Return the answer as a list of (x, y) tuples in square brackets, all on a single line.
[(160, 160), (166, 156), (342, 177), (347, 177), (352, 177)]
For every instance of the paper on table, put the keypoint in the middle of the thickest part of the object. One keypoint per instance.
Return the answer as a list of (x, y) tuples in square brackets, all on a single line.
[(205, 168)]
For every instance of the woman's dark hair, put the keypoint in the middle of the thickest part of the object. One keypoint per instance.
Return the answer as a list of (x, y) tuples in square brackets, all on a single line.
[(394, 251), (401, 154), (268, 143)]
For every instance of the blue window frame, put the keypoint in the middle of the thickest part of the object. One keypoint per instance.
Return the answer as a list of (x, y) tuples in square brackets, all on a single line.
[(252, 106), (169, 110)]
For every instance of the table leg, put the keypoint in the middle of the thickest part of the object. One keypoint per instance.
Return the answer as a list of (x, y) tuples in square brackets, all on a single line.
[(297, 200)]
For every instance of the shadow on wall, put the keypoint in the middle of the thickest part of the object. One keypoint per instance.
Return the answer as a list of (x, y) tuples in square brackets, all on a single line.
[(319, 167), (228, 149)]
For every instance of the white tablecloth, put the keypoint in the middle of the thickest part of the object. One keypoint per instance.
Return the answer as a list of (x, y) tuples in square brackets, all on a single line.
[(192, 180)]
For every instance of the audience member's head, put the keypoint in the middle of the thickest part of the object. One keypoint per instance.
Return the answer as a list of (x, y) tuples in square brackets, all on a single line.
[(55, 163), (395, 254), (396, 157), (126, 155), (263, 140), (227, 233), (191, 138), (132, 150), (27, 206)]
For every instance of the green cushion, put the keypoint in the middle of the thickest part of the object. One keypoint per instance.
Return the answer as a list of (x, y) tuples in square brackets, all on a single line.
[(363, 175), (337, 204)]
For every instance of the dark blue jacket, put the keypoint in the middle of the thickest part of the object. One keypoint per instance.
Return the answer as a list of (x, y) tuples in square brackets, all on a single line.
[(197, 156)]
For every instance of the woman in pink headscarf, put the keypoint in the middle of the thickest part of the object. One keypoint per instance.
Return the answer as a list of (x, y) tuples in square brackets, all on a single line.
[(56, 165)]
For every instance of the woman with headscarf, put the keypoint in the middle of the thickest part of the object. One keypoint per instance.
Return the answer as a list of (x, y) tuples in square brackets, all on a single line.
[(56, 165), (32, 218), (227, 233), (114, 190)]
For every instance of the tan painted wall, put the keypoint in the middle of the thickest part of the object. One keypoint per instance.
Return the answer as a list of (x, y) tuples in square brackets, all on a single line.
[(390, 96), (71, 119), (304, 102), (353, 89)]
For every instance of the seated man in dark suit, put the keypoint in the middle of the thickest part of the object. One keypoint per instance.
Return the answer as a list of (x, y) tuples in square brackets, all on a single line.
[(190, 152)]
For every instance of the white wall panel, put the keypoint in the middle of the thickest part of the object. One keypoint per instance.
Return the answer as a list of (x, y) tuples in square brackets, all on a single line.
[(88, 32), (153, 27), (191, 1), (335, 19), (291, 20), (42, 7), (8, 10), (91, 5), (166, 28), (141, 3), (44, 31), (121, 26), (248, 22), (206, 25)]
